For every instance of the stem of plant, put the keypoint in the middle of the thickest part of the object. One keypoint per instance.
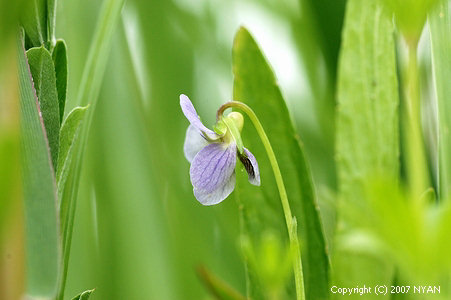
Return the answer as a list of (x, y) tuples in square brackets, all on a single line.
[(416, 158), (290, 221)]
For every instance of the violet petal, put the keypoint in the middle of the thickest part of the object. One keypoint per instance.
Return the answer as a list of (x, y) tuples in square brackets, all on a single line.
[(250, 164), (218, 194), (190, 113), (212, 167), (194, 142)]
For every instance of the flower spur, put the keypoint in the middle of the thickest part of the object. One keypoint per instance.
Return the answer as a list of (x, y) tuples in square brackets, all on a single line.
[(213, 155)]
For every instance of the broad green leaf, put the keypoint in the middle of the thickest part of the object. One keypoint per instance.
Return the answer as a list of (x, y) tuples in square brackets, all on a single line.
[(367, 129), (43, 72), (42, 255), (255, 85), (60, 62), (440, 28), (34, 21), (68, 137), (84, 296)]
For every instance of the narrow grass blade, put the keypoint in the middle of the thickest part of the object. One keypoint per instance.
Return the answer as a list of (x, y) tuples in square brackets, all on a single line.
[(42, 255), (440, 28), (255, 85), (59, 57), (43, 72)]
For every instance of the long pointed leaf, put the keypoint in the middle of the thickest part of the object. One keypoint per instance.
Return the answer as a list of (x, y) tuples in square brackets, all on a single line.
[(42, 255), (255, 85)]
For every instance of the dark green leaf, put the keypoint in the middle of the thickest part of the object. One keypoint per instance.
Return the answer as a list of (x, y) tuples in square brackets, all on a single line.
[(60, 62), (68, 137), (39, 192), (440, 27), (84, 296), (43, 72), (255, 85)]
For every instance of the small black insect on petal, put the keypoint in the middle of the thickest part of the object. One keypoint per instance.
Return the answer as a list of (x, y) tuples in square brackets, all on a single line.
[(248, 165)]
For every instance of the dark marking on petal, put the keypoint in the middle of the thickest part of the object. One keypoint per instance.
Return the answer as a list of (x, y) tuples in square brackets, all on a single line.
[(247, 165)]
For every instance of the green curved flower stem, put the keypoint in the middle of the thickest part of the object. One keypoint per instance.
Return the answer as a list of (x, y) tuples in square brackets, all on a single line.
[(290, 221)]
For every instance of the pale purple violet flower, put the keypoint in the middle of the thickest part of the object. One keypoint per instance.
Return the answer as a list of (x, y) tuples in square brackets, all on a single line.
[(213, 158)]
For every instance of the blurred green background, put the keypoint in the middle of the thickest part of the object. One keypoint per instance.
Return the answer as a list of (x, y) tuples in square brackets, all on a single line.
[(139, 232)]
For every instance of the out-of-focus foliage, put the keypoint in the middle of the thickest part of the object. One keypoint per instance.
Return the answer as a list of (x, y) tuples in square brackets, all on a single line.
[(122, 181), (440, 28)]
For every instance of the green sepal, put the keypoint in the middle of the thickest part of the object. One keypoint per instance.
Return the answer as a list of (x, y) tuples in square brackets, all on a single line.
[(235, 132), (220, 128)]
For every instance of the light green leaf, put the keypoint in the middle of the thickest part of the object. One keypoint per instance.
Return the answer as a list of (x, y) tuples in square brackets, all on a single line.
[(256, 86), (84, 296), (60, 62), (42, 255), (68, 137), (367, 128), (440, 27), (43, 72)]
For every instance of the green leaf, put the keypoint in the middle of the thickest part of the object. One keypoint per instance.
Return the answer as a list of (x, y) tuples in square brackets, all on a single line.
[(367, 125), (84, 296), (43, 72), (60, 62), (68, 137), (255, 85), (367, 128), (34, 21), (440, 27), (42, 255)]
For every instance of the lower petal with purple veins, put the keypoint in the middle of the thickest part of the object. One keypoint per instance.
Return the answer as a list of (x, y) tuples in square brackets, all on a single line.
[(217, 195), (212, 167)]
